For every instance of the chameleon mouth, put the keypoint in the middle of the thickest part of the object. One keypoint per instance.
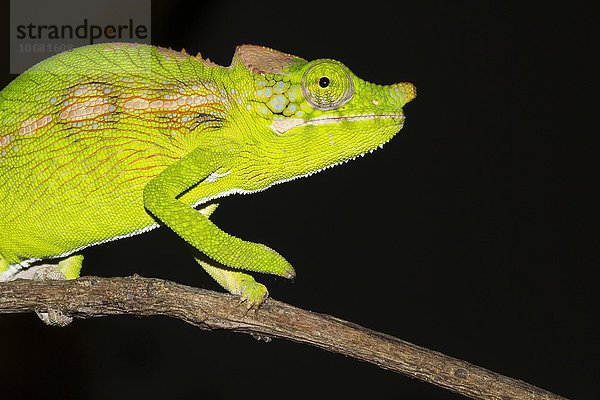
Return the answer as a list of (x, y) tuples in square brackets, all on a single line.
[(283, 125)]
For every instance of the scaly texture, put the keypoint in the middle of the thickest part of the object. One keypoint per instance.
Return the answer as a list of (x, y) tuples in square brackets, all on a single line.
[(111, 140)]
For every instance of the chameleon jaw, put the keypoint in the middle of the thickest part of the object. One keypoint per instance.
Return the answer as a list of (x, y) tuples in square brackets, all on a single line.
[(281, 126)]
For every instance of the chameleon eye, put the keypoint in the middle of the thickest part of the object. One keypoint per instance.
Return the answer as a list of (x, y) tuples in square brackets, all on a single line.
[(327, 85)]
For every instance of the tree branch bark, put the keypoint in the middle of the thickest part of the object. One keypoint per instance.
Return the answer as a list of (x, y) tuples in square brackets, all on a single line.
[(93, 297)]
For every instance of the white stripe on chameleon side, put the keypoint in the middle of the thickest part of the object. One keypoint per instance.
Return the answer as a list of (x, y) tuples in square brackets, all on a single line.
[(280, 126)]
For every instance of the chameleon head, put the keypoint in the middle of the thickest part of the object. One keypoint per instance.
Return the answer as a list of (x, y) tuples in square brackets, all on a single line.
[(318, 114)]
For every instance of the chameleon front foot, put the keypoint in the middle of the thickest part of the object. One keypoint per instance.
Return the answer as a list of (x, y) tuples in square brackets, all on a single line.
[(251, 293)]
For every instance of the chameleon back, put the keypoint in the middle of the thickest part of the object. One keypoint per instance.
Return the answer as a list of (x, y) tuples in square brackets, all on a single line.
[(83, 132)]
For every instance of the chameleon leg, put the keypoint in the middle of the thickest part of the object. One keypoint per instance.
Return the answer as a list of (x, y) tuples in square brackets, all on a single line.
[(3, 264), (71, 267), (161, 199), (235, 282), (238, 283)]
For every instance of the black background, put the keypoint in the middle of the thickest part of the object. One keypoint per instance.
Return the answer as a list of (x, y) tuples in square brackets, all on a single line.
[(469, 233)]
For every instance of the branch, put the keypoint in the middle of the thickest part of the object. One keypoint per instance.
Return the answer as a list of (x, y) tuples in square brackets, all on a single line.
[(93, 297)]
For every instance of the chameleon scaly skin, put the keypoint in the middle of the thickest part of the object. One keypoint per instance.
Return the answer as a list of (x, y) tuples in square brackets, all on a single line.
[(111, 140)]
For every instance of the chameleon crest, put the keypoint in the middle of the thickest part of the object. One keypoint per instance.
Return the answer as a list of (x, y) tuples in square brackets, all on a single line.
[(112, 140)]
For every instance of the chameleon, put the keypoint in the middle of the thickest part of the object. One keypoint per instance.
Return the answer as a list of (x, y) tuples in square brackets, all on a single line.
[(111, 140)]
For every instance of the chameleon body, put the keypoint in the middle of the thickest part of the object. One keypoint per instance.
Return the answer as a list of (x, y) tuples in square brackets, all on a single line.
[(111, 140)]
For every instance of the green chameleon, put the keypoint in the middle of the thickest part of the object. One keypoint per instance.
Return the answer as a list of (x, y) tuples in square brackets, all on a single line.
[(112, 140)]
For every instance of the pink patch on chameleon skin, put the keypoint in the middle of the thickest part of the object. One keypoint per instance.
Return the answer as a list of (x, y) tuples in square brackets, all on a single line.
[(171, 102), (86, 110), (32, 124), (136, 103), (5, 140)]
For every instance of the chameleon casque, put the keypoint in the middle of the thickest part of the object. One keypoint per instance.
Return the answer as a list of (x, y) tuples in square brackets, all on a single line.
[(112, 140)]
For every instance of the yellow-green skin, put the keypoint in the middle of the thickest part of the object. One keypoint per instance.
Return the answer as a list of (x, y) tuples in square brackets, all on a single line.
[(111, 140)]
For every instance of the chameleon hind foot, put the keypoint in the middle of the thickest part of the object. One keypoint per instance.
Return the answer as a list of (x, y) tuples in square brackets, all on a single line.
[(65, 270), (52, 317), (252, 293)]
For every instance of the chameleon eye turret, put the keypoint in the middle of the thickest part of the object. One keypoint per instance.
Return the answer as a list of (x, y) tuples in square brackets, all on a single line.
[(327, 85)]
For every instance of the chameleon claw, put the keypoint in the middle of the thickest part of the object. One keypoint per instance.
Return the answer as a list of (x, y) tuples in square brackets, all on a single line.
[(249, 306), (246, 309)]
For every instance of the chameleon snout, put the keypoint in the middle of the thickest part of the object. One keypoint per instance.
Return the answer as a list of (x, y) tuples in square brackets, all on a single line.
[(404, 92)]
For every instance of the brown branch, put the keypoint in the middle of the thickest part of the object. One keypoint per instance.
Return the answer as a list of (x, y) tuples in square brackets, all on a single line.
[(92, 297)]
